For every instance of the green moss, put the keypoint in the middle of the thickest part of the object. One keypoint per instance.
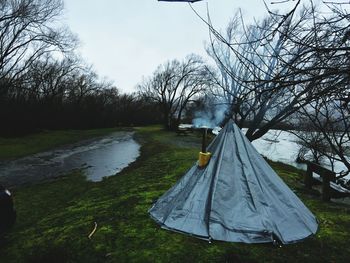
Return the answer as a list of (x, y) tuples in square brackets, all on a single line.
[(55, 218)]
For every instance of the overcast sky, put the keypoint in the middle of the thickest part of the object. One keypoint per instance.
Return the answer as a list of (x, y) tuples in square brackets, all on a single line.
[(127, 39)]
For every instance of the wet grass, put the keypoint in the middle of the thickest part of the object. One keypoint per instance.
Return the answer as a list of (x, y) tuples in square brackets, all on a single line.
[(55, 219), (16, 147)]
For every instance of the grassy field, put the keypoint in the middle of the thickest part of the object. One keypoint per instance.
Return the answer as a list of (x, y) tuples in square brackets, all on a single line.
[(55, 219), (11, 148)]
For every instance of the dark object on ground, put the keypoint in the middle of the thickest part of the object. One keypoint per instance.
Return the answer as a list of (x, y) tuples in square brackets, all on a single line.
[(237, 197), (7, 211)]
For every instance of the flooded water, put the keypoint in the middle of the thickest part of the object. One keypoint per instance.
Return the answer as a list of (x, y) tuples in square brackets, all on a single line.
[(98, 158), (281, 146)]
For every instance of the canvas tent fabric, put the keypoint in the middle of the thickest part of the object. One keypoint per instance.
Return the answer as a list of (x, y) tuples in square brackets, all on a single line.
[(237, 197)]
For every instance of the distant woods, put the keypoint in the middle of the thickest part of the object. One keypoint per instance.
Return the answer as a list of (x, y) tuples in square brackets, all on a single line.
[(44, 85)]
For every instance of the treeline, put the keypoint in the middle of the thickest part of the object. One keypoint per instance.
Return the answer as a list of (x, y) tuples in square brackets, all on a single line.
[(44, 85), (55, 94)]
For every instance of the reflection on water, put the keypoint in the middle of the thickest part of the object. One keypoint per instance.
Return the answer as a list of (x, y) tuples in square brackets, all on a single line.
[(99, 158)]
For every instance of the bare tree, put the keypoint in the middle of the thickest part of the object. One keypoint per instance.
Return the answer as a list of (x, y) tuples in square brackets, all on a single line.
[(174, 84), (49, 79), (274, 69), (28, 30), (247, 68)]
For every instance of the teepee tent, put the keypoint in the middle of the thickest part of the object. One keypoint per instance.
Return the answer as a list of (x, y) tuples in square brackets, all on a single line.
[(237, 197)]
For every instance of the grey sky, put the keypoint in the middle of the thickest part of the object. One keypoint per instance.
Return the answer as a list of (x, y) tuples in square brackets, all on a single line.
[(128, 39)]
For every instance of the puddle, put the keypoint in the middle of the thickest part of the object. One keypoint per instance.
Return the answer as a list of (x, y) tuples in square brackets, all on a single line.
[(98, 158)]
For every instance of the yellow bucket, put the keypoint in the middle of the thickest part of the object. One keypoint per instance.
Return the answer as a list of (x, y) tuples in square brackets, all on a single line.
[(203, 159)]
